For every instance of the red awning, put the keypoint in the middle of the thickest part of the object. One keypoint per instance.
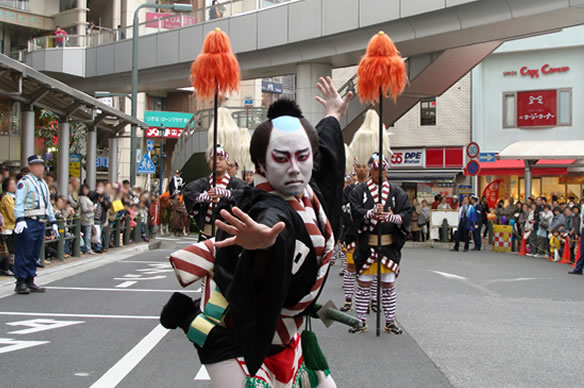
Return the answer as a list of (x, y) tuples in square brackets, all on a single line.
[(517, 167)]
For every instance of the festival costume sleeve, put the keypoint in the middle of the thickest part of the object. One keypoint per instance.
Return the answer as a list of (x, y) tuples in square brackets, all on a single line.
[(329, 169), (359, 209), (402, 207), (258, 290), (192, 192)]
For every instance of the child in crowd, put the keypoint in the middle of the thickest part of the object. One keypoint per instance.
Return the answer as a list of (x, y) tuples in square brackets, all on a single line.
[(556, 242)]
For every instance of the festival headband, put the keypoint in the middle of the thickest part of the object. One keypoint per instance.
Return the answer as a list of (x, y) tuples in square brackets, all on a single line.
[(374, 162), (220, 152)]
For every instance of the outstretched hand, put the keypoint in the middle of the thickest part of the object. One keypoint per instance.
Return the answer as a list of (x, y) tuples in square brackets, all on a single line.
[(335, 105), (247, 233)]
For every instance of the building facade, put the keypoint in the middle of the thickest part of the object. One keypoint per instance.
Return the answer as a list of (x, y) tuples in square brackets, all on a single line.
[(529, 89)]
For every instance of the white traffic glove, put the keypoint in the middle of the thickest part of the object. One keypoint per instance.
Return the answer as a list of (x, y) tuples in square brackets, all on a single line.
[(55, 228), (20, 227)]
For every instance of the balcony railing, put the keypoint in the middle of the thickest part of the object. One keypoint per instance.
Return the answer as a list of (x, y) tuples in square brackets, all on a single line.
[(155, 22)]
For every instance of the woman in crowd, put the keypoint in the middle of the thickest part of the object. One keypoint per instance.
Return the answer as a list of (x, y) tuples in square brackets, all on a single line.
[(522, 219), (415, 227), (545, 219), (443, 204), (87, 213), (425, 218), (7, 213), (499, 211)]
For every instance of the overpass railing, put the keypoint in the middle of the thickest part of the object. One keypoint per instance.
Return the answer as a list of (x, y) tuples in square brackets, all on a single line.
[(156, 22), (245, 117)]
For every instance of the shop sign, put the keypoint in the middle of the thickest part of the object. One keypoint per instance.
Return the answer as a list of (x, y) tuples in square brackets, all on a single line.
[(534, 73), (407, 158), (75, 165), (173, 122), (272, 87), (536, 108), (170, 22), (169, 132), (102, 162)]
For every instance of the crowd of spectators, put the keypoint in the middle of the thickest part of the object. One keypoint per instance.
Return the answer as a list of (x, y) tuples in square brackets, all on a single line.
[(97, 210), (545, 224)]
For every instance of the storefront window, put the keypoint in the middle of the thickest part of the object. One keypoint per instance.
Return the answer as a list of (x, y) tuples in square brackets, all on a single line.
[(551, 187), (573, 190)]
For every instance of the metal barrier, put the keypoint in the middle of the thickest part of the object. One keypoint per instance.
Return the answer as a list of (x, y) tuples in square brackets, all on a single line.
[(70, 230)]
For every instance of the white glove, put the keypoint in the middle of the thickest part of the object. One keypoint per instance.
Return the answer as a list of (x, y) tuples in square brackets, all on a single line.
[(55, 230), (20, 227), (370, 214)]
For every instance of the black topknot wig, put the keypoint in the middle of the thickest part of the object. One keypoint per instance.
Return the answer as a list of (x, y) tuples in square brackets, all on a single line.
[(284, 107), (261, 136)]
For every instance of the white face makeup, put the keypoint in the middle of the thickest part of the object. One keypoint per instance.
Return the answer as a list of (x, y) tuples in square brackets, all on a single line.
[(289, 156)]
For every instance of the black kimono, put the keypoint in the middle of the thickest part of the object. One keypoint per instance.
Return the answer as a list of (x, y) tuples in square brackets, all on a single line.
[(349, 231), (361, 202), (263, 287), (195, 188)]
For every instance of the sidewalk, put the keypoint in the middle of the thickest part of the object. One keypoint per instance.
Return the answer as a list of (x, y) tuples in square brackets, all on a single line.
[(73, 265)]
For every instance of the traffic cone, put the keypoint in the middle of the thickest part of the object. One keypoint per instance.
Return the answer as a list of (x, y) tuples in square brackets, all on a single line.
[(523, 249), (566, 255), (577, 254)]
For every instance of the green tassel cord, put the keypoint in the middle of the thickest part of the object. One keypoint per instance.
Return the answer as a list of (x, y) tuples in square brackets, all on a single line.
[(313, 357)]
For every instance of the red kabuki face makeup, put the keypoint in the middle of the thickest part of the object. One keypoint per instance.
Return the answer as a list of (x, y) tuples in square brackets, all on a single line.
[(289, 156)]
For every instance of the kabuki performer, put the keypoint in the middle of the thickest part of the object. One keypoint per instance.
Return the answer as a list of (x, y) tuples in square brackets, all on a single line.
[(200, 195), (349, 238), (371, 211), (269, 260)]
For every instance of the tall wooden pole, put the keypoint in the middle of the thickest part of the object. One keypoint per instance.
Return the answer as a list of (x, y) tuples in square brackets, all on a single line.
[(379, 224)]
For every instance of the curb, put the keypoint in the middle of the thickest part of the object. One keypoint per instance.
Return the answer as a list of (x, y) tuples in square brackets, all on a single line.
[(62, 271)]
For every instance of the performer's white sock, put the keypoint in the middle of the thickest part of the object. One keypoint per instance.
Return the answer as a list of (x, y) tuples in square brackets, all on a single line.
[(374, 289), (349, 284), (362, 295), (389, 303)]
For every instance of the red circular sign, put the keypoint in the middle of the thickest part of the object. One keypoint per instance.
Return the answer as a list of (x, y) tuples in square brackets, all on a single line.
[(472, 168), (473, 150)]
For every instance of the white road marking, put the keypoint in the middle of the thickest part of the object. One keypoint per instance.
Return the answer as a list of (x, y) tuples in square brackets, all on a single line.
[(40, 324), (66, 315), (449, 275), (137, 277), (115, 289), (125, 365), (14, 345), (468, 282), (82, 374), (126, 284), (167, 238), (509, 280), (143, 262), (203, 374)]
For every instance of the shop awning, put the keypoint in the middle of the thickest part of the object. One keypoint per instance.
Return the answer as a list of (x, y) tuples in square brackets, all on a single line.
[(544, 149), (423, 175), (517, 167)]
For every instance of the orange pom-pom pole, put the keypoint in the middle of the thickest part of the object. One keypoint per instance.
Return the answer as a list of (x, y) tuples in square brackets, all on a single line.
[(216, 69), (381, 68)]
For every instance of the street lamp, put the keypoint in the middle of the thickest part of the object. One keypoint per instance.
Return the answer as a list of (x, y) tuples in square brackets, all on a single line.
[(172, 7), (161, 134)]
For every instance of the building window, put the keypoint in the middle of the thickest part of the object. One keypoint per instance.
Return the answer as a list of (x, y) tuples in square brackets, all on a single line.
[(18, 4), (428, 111), (564, 106), (509, 105)]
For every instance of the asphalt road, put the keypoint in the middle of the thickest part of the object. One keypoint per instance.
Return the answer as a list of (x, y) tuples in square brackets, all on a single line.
[(470, 320)]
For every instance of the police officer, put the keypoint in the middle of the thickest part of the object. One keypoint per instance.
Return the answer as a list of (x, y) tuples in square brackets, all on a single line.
[(32, 211)]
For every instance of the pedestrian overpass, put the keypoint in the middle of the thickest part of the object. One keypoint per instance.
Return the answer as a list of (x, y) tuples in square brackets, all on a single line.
[(442, 40)]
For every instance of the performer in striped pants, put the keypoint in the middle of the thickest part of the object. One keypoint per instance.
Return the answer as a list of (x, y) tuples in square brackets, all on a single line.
[(371, 210)]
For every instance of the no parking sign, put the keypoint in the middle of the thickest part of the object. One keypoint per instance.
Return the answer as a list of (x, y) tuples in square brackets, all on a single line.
[(472, 168)]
